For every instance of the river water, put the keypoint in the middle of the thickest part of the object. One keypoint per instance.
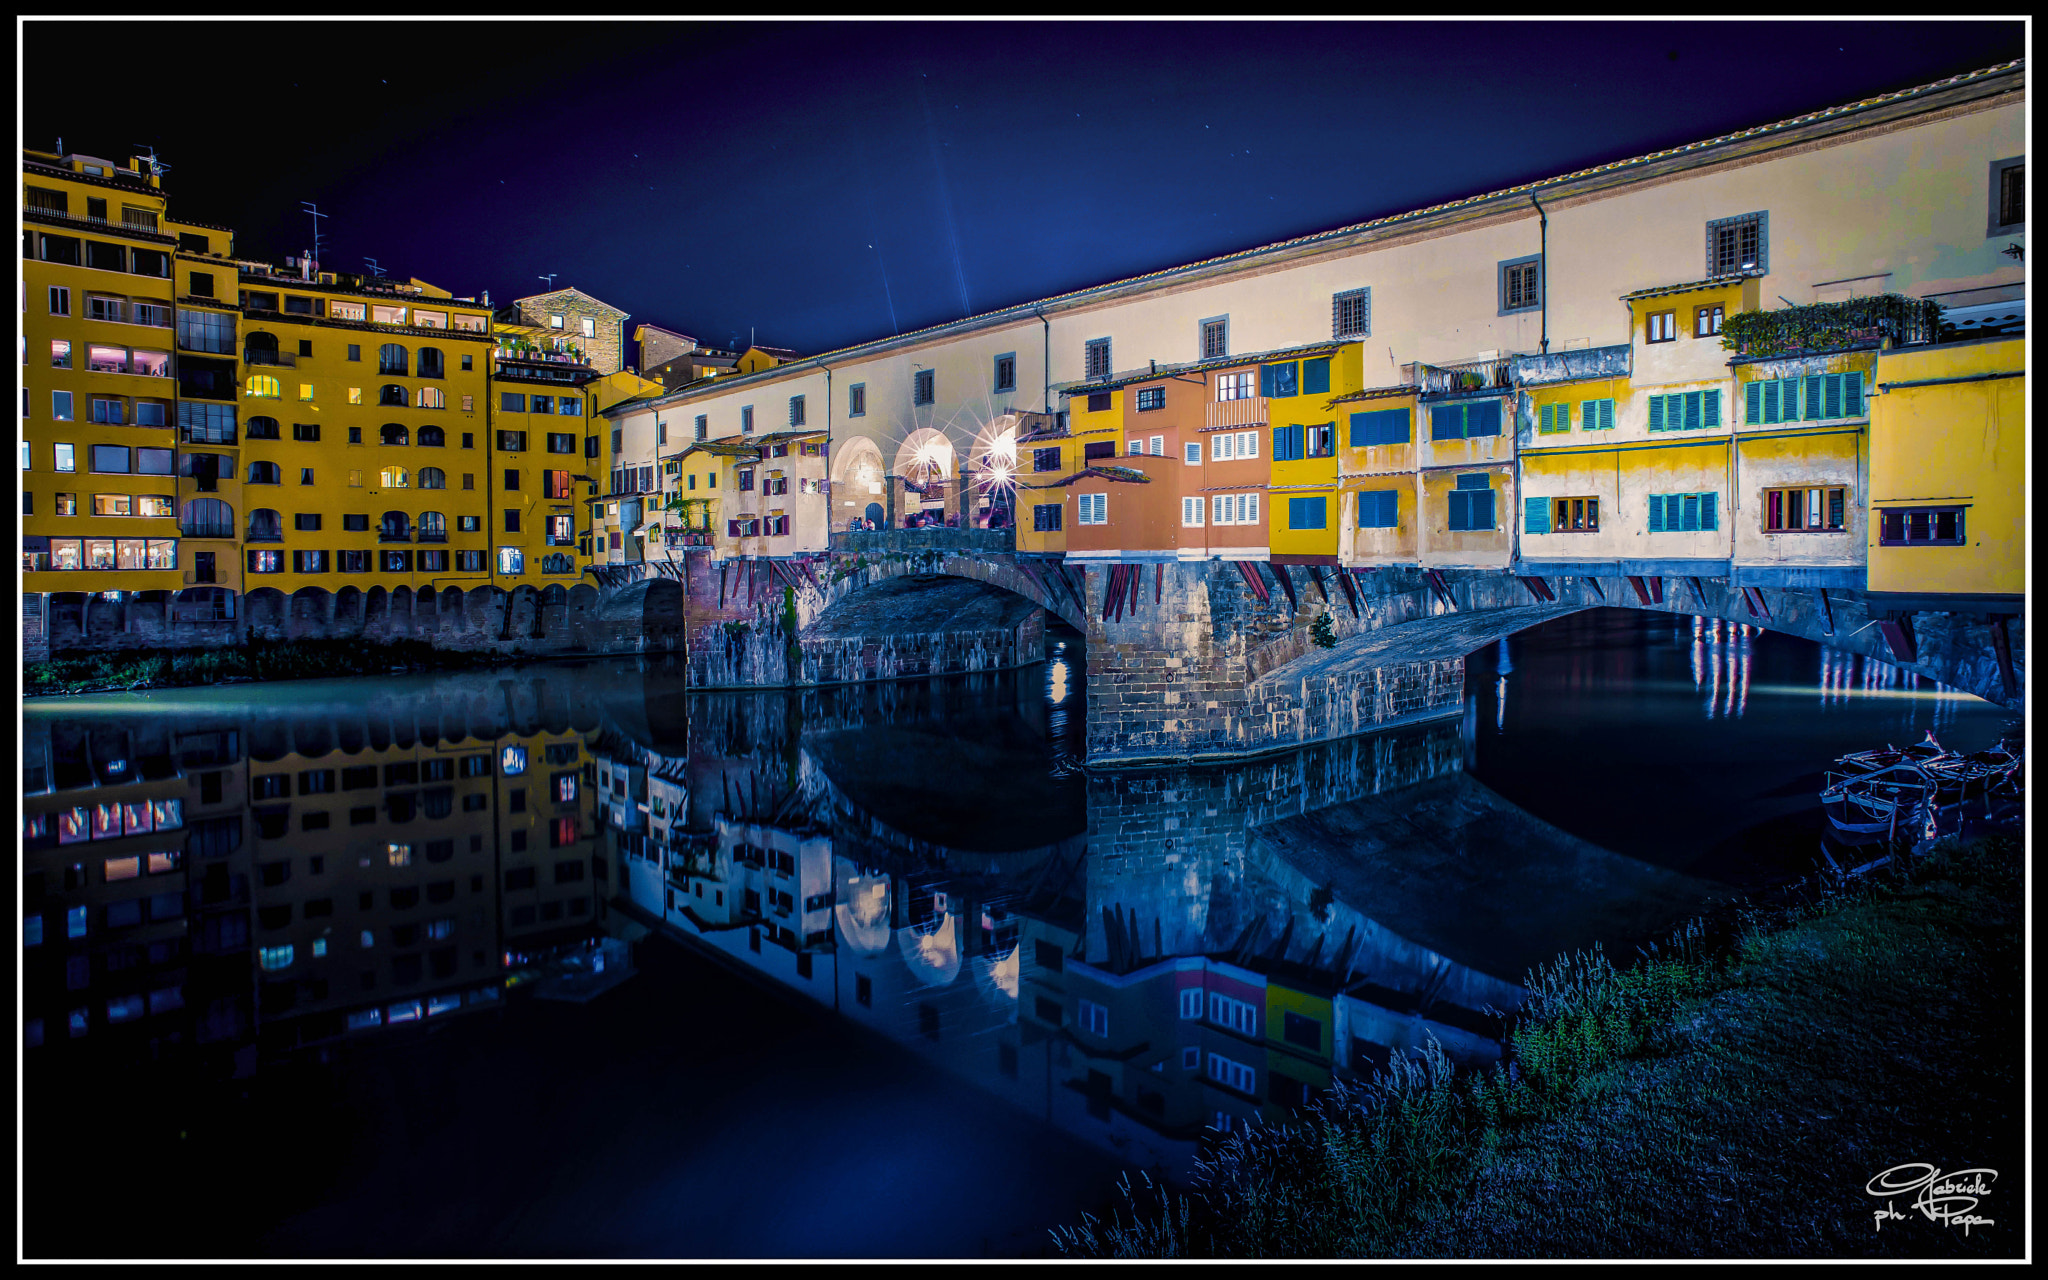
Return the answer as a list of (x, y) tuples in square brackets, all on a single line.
[(570, 962)]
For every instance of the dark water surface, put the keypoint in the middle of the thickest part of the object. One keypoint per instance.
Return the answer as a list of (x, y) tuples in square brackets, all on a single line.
[(310, 966)]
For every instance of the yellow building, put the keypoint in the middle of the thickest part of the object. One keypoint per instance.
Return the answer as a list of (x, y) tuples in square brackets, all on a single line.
[(756, 358), (1305, 510), (1947, 437), (365, 458), (98, 392)]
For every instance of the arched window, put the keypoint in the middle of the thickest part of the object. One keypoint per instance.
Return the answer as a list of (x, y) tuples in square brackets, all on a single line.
[(432, 437), (390, 393), (433, 527), (265, 473), (391, 359), (265, 525), (393, 528), (392, 477), (431, 397), (430, 362), (260, 428), (391, 434), (265, 386), (259, 348), (557, 562), (433, 477), (207, 518)]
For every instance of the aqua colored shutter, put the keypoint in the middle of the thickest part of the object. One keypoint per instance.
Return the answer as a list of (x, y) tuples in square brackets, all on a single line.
[(1707, 511), (1315, 376), (1689, 512), (1852, 395), (1692, 410), (1771, 401), (1753, 403), (1816, 397), (1656, 413), (1711, 407), (1545, 416), (1535, 515), (1834, 408), (1656, 513)]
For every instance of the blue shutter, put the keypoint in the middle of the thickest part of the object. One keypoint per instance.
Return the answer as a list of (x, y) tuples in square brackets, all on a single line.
[(1834, 393), (1692, 410), (1266, 381), (1460, 519), (1358, 430), (1753, 403), (1483, 419), (1315, 376), (1707, 511), (1656, 513), (1535, 515), (1397, 428), (1656, 413), (1816, 397), (1689, 509), (1475, 480), (1447, 422), (1852, 395), (1711, 407), (1770, 401)]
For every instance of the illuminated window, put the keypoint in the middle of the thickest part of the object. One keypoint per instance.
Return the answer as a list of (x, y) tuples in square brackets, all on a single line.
[(393, 478), (512, 760), (355, 395), (432, 398), (1238, 1015), (265, 386), (271, 959), (398, 855), (305, 391)]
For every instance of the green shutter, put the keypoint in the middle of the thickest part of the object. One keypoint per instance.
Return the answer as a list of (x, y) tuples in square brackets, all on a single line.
[(1545, 416), (1689, 512), (1834, 409), (1607, 415), (1711, 407), (1753, 403), (1707, 511), (1656, 413), (1535, 515), (1770, 401), (1852, 395), (1816, 397), (1656, 513)]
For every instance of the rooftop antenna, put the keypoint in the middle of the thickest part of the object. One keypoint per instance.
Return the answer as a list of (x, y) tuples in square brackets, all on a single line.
[(157, 168), (314, 209), (375, 270), (550, 278), (60, 144)]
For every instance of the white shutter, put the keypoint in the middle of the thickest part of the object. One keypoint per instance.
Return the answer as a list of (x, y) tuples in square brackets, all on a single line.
[(1250, 511), (1247, 444)]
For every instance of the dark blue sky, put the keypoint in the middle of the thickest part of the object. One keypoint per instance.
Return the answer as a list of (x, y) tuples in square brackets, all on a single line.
[(718, 177)]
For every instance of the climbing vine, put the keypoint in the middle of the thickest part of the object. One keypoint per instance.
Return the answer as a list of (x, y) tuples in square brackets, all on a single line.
[(1829, 326)]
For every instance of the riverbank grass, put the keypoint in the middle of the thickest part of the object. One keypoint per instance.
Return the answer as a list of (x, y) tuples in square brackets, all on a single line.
[(1729, 1095), (257, 660)]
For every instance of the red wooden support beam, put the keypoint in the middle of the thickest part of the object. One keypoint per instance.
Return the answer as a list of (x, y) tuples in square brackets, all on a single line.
[(1642, 591), (2001, 644), (1158, 581), (1899, 635), (1286, 581), (1656, 590), (1699, 592), (1136, 579), (1538, 589), (1827, 612), (1350, 591), (1253, 580)]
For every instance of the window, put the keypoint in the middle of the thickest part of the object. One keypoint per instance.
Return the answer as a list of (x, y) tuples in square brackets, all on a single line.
[(1470, 420), (1706, 321), (796, 411), (1235, 444), (1215, 337), (1287, 443), (1739, 245), (1320, 440), (554, 321), (1521, 284), (1594, 415), (1045, 459), (1660, 326), (1235, 508), (512, 401), (589, 327), (433, 398), (1561, 515), (1553, 418), (393, 359), (540, 404), (1238, 1015), (511, 560), (1682, 512), (113, 458), (856, 405), (1471, 503), (109, 410), (511, 521), (1150, 398), (1191, 453), (60, 300), (1825, 395), (264, 386), (746, 425), (60, 406), (266, 562), (306, 523), (1308, 513), (1045, 517), (1303, 1033), (512, 441), (309, 562), (1819, 509), (1093, 1018), (924, 387), (1093, 508), (1685, 411), (1191, 512), (1006, 372), (393, 478), (1351, 314), (1921, 527), (2008, 197), (1277, 381), (1379, 509), (1096, 358), (63, 458)]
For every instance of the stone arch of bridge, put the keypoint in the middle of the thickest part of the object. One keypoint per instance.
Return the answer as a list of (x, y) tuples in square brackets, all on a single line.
[(1043, 583)]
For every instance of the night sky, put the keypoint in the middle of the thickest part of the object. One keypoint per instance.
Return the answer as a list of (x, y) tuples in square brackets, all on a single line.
[(826, 184)]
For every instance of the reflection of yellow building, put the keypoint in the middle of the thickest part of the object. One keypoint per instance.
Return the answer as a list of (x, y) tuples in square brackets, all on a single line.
[(1947, 442)]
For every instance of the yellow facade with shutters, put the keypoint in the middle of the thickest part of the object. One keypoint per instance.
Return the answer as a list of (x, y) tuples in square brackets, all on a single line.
[(1948, 447), (1304, 508), (98, 384), (1101, 426)]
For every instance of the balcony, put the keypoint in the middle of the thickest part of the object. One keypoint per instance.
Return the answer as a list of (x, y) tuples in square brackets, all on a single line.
[(1473, 377), (687, 538), (261, 355), (265, 535), (190, 434), (438, 535), (1236, 413), (1886, 319), (987, 541), (224, 532), (394, 535)]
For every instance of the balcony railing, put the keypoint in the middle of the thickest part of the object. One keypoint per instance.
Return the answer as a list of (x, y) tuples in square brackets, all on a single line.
[(394, 535), (1250, 412), (433, 535), (1473, 377), (265, 535), (687, 538), (262, 355), (211, 530), (206, 435)]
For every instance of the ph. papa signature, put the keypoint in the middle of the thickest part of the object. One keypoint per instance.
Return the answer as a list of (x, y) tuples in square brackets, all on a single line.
[(1940, 1197)]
